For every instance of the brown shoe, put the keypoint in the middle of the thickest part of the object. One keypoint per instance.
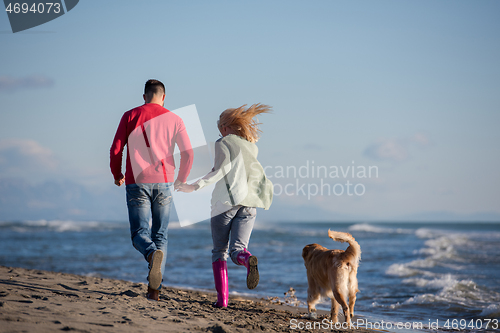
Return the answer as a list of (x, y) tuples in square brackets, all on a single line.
[(153, 295), (154, 276)]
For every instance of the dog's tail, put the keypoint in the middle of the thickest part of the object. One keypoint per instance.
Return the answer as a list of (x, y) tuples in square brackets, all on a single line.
[(354, 249)]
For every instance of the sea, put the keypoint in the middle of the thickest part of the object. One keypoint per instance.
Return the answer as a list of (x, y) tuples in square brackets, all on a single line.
[(412, 276)]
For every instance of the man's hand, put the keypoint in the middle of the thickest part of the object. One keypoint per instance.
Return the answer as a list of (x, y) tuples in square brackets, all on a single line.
[(119, 182), (177, 184)]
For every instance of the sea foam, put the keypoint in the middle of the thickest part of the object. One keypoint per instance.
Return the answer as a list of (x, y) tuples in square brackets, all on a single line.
[(377, 229)]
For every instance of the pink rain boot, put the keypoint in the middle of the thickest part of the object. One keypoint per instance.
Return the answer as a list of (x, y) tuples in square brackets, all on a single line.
[(221, 283), (246, 259)]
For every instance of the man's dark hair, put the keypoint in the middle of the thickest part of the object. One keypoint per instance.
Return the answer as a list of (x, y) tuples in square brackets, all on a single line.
[(154, 87)]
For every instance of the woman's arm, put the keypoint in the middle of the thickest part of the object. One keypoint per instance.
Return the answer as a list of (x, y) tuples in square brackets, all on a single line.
[(221, 163)]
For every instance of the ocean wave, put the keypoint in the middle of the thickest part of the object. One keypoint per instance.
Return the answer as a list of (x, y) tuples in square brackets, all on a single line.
[(440, 273), (422, 263), (442, 251), (444, 281), (426, 233), (417, 267), (451, 290), (60, 225), (412, 268), (378, 229), (491, 311), (402, 270)]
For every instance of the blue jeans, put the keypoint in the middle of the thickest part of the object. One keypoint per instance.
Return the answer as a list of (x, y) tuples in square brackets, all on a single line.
[(145, 201), (231, 230)]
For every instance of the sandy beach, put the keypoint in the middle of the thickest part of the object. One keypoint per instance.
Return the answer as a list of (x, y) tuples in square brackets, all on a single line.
[(42, 301)]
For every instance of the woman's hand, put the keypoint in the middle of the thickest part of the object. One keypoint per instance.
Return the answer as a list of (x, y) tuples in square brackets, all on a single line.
[(187, 188)]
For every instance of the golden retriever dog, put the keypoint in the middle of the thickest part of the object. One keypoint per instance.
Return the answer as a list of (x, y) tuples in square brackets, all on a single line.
[(332, 273)]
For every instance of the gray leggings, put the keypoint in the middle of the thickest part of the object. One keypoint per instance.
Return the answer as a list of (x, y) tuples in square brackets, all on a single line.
[(238, 221)]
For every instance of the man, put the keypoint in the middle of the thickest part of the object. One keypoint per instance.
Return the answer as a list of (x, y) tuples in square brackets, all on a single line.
[(151, 132)]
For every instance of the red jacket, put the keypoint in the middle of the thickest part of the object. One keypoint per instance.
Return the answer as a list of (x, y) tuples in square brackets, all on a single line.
[(151, 132)]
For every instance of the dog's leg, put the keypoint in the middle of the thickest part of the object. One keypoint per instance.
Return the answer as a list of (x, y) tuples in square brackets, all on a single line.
[(352, 301), (313, 297), (343, 303), (335, 310), (353, 289)]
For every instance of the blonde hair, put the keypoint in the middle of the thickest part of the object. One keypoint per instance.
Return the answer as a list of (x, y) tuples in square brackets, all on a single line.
[(241, 120)]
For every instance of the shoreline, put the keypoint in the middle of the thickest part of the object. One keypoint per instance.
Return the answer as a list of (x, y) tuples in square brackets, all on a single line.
[(42, 301)]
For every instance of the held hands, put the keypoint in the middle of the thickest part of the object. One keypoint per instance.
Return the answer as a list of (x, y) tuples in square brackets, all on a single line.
[(186, 188), (183, 187), (177, 183)]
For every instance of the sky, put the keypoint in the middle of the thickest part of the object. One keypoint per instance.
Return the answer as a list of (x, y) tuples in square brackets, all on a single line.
[(406, 89)]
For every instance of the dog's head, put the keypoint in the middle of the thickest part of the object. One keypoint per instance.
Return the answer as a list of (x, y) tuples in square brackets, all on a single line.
[(308, 250)]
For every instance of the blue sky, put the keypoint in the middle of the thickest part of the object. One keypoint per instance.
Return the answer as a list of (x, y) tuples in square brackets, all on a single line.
[(410, 87)]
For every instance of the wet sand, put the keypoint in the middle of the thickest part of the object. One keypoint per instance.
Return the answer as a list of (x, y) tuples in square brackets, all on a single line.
[(41, 301)]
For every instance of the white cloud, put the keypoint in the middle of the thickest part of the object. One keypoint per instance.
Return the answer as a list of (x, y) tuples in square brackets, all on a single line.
[(388, 149), (422, 139), (396, 149), (22, 157), (10, 84)]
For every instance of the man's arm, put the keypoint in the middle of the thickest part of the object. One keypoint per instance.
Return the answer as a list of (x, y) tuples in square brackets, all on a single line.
[(187, 155), (116, 152)]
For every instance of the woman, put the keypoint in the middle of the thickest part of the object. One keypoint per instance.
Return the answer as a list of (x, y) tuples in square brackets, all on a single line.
[(241, 187)]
